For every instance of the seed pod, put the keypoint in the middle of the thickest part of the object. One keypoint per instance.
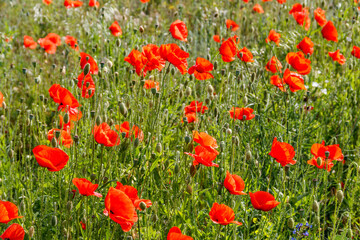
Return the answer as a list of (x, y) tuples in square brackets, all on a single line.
[(340, 195), (315, 206), (66, 118), (86, 69), (123, 109), (291, 223), (98, 120), (189, 189), (142, 206), (187, 91), (158, 147)]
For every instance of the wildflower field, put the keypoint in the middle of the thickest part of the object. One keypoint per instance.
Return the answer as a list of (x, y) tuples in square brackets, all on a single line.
[(179, 120)]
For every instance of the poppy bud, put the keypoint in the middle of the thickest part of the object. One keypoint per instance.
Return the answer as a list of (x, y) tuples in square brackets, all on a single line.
[(192, 170), (177, 168), (215, 65), (142, 206), (187, 91), (10, 153), (315, 206), (223, 71), (187, 139), (158, 147), (153, 91), (98, 120), (136, 142), (141, 29), (66, 118), (207, 101), (31, 231), (245, 100), (189, 189), (319, 161), (118, 42), (24, 70), (37, 80), (154, 218), (76, 138), (54, 142), (340, 195), (123, 109), (123, 134), (327, 154), (129, 238), (210, 89), (57, 134), (54, 220), (248, 155), (228, 131), (105, 180), (291, 223)]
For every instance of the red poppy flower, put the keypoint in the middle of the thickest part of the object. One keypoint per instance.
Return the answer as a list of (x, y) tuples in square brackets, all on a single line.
[(273, 37), (173, 54), (138, 61), (86, 188), (175, 234), (258, 8), (154, 60), (245, 55), (201, 69), (242, 113), (29, 42), (334, 151), (234, 184), (281, 1), (47, 2), (230, 24), (216, 38), (195, 106), (302, 17), (86, 58), (54, 159), (72, 4), (356, 52), (320, 17), (64, 139), (115, 29), (8, 212), (190, 117), (94, 3), (144, 1), (282, 152), (83, 225), (306, 45), (120, 209), (229, 49), (278, 82), (56, 39), (1, 100), (179, 31), (62, 96), (104, 135), (299, 62), (329, 32), (338, 57), (72, 42), (263, 201), (324, 164), (297, 7), (206, 141), (149, 84), (222, 214), (86, 85), (132, 193), (135, 130), (274, 65), (14, 232), (47, 45), (203, 156), (294, 80)]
